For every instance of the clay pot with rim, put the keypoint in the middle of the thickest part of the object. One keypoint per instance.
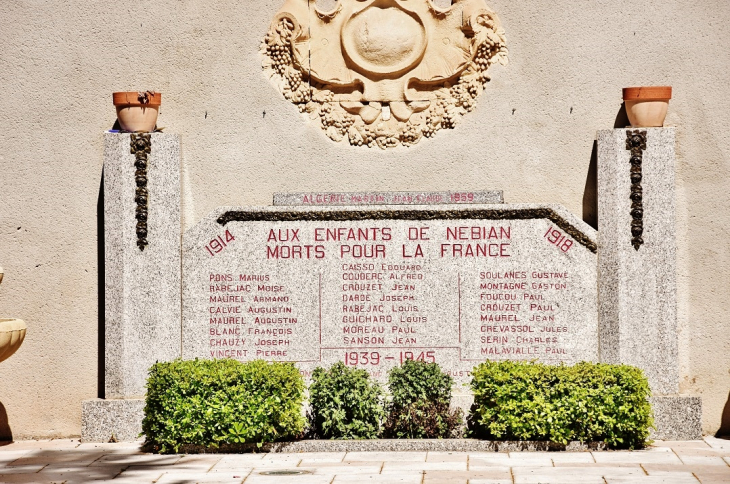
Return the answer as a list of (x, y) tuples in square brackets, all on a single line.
[(647, 106), (137, 111), (12, 333)]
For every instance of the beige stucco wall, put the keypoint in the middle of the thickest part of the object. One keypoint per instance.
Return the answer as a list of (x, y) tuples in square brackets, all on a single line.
[(531, 136)]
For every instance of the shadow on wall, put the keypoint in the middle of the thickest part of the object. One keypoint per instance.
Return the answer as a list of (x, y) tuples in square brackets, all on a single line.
[(100, 289), (590, 192), (724, 430), (6, 435), (622, 119)]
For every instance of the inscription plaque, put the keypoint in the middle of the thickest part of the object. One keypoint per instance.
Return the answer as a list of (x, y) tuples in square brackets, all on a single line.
[(325, 199), (373, 286)]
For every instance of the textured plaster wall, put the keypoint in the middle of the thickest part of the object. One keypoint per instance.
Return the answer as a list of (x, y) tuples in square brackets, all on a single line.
[(531, 136)]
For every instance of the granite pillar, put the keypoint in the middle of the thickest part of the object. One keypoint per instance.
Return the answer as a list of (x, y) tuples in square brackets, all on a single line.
[(637, 262), (142, 237)]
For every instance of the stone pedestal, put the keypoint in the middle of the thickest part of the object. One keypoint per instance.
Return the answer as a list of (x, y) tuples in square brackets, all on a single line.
[(112, 420), (142, 237), (637, 265)]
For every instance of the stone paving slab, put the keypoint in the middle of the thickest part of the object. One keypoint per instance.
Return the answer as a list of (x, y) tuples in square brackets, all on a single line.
[(173, 478), (493, 474), (350, 464), (447, 457), (199, 460), (30, 479), (712, 476), (143, 459), (240, 470), (709, 452), (402, 478), (482, 459), (490, 481), (8, 457), (640, 457), (635, 465), (706, 461), (716, 443), (133, 480), (683, 479), (179, 469), (702, 460), (257, 478), (70, 456), (318, 457), (682, 444), (41, 444), (571, 475), (561, 478), (21, 469), (516, 459), (572, 458), (249, 460), (263, 464), (705, 474), (384, 456), (423, 466), (141, 475), (365, 468), (79, 473), (554, 457)]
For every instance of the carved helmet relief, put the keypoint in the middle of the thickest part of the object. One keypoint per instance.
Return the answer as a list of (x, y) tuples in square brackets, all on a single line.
[(383, 72)]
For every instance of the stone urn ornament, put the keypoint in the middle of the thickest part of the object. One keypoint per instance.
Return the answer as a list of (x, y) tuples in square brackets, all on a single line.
[(12, 333), (137, 111), (647, 106)]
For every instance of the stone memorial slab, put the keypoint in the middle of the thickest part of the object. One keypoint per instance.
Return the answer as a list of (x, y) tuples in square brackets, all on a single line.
[(328, 199), (373, 286)]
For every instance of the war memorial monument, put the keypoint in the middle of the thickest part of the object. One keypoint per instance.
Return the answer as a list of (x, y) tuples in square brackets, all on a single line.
[(370, 182)]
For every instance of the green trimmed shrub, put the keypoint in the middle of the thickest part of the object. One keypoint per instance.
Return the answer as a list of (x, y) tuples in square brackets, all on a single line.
[(213, 402), (345, 404), (421, 397), (586, 402)]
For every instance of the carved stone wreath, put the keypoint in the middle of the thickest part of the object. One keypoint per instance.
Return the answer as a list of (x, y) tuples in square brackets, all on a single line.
[(383, 72)]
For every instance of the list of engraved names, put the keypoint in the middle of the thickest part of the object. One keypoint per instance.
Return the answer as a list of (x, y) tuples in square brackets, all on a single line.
[(374, 293)]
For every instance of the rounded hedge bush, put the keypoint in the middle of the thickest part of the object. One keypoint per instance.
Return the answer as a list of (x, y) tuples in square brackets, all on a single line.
[(214, 402), (345, 403), (420, 404), (586, 402)]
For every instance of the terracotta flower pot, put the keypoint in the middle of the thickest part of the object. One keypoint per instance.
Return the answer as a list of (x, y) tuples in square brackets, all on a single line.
[(647, 106), (137, 111)]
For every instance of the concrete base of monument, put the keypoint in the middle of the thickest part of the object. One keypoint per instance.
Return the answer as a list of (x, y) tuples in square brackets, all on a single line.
[(677, 417), (397, 445), (111, 420)]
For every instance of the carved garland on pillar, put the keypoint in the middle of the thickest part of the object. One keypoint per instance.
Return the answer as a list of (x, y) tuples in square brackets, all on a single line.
[(636, 143), (383, 72), (141, 145)]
